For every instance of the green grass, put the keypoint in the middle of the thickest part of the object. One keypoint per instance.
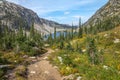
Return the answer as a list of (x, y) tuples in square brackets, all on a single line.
[(76, 62)]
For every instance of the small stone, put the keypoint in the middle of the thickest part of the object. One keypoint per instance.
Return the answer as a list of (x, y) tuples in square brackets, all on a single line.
[(36, 65), (34, 60), (69, 77), (32, 57), (55, 67), (116, 41), (32, 72), (79, 78), (46, 72), (4, 66), (25, 56), (45, 58), (46, 45)]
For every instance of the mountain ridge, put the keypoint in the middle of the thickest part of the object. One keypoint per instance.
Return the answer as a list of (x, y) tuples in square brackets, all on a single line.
[(12, 14), (110, 10)]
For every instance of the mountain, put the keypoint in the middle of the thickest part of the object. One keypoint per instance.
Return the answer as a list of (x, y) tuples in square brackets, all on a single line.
[(14, 15), (108, 15)]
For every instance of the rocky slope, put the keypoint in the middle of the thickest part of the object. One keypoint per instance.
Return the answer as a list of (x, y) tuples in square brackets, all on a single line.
[(109, 12), (15, 15)]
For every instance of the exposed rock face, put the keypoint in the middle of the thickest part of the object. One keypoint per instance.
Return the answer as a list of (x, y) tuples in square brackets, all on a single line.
[(15, 15), (109, 10)]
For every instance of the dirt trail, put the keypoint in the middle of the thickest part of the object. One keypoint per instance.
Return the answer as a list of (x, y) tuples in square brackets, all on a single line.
[(43, 70)]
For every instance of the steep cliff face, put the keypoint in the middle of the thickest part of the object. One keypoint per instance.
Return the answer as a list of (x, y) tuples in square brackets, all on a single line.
[(111, 11), (15, 15)]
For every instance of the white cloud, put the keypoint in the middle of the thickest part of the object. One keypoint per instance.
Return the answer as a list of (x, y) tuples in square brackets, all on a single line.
[(66, 13), (18, 1), (84, 18), (14, 1), (44, 7), (56, 18), (77, 16), (47, 6)]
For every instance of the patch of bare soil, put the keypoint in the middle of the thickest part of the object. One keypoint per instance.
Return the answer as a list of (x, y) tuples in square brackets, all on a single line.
[(43, 70)]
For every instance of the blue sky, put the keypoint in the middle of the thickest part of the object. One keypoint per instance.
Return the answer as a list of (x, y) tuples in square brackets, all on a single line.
[(63, 11)]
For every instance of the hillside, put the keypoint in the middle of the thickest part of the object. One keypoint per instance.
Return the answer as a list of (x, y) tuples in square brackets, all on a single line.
[(15, 15), (91, 53), (76, 62), (108, 15)]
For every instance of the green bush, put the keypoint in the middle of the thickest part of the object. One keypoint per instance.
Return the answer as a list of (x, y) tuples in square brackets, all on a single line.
[(1, 73)]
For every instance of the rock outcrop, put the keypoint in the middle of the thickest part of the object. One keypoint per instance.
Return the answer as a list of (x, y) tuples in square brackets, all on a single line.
[(111, 10)]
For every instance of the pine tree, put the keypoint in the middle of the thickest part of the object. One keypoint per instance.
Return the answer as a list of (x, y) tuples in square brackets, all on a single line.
[(1, 34), (72, 32), (66, 35), (6, 38), (50, 39), (0, 29), (20, 34), (69, 35), (55, 34), (69, 46), (80, 29), (78, 48), (85, 30), (92, 50), (32, 31), (61, 44)]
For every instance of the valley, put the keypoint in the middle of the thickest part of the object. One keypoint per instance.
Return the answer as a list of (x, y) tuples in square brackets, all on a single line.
[(34, 48)]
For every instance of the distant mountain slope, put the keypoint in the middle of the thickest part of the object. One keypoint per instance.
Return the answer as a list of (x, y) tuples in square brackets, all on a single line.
[(109, 13), (15, 15)]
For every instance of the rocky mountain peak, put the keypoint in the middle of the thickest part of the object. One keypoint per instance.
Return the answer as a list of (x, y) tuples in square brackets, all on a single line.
[(111, 10), (112, 1)]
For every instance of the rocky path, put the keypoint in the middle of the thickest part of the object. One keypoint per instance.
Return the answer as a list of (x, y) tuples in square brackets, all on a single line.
[(43, 70)]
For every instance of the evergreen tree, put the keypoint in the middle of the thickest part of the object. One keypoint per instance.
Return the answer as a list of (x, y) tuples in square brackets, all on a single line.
[(69, 46), (85, 30), (80, 29), (32, 31), (92, 50), (78, 48), (55, 34), (66, 35), (61, 46), (50, 39), (6, 39), (72, 32), (1, 34)]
